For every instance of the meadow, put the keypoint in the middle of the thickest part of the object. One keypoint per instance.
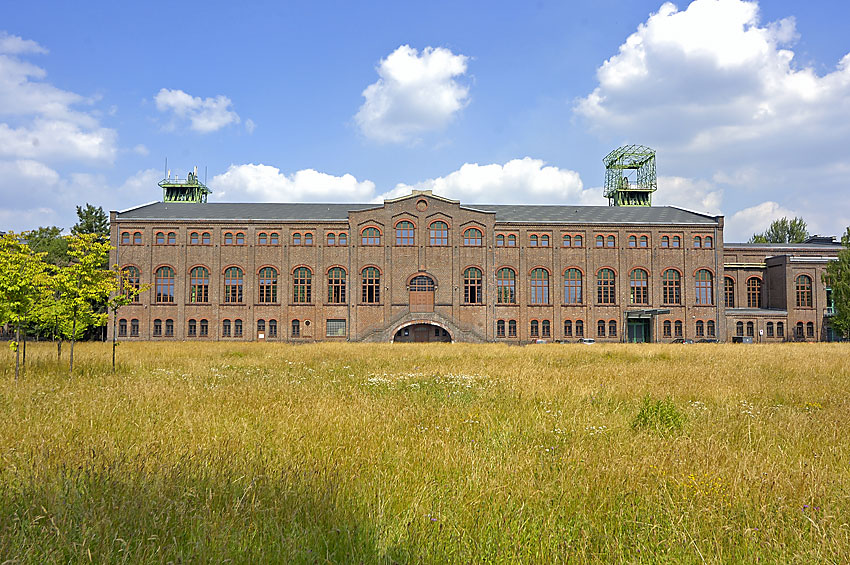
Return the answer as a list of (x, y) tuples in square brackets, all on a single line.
[(433, 453)]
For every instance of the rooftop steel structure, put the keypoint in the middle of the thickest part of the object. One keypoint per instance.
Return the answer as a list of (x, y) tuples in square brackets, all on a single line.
[(630, 176), (189, 189)]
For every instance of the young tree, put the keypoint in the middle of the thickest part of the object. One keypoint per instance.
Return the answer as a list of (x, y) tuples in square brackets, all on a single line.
[(92, 220), (49, 240), (126, 293), (837, 277), (85, 283), (783, 230), (22, 276)]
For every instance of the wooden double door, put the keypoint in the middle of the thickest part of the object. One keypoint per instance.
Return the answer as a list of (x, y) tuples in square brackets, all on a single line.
[(422, 294)]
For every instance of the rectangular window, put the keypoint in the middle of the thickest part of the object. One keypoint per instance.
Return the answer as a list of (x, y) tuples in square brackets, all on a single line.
[(134, 328), (335, 328)]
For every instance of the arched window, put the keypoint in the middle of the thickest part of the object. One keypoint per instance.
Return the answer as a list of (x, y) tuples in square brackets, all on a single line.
[(704, 288), (237, 328), (134, 327), (579, 328), (192, 329), (233, 284), (535, 328), (439, 233), (199, 285), (708, 242), (700, 328), (544, 241), (405, 233), (506, 286), (268, 285), (639, 287), (572, 286), (768, 329), (729, 291), (539, 286), (500, 240), (568, 240), (302, 285), (240, 240), (697, 242), (263, 238), (308, 238), (500, 328), (225, 328), (296, 238), (370, 236), (160, 238), (371, 287), (194, 238), (751, 329), (545, 328), (677, 328), (780, 329), (739, 328), (511, 328), (272, 328), (473, 237), (296, 328), (799, 332), (261, 327), (169, 328), (472, 287), (667, 328), (512, 240), (164, 283), (336, 285), (172, 238), (204, 328), (343, 239), (331, 240), (612, 328), (274, 239), (810, 329), (611, 241), (228, 238), (677, 241), (606, 282), (665, 241), (804, 291), (532, 242), (632, 241), (137, 238), (132, 278), (125, 240), (205, 238), (568, 328), (644, 241), (709, 328), (600, 241), (671, 286), (157, 328), (122, 327), (600, 328), (753, 292), (577, 241)]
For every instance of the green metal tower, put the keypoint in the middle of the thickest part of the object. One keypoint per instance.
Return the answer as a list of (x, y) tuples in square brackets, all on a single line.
[(184, 190), (630, 176)]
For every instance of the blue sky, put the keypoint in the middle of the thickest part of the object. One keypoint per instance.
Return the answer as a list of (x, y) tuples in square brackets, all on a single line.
[(746, 103)]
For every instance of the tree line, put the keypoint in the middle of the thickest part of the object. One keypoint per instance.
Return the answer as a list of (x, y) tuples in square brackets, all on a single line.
[(60, 286)]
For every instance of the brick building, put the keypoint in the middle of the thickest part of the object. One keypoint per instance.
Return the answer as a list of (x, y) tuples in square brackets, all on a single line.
[(426, 268)]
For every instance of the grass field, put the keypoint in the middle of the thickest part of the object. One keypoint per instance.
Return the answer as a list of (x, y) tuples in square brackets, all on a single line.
[(259, 453)]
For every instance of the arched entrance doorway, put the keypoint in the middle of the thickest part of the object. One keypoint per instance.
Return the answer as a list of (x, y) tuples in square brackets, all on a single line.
[(421, 289), (422, 332)]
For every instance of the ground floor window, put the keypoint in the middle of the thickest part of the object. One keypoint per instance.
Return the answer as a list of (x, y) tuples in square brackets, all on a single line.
[(204, 328), (667, 328), (600, 328), (709, 326), (511, 328), (768, 330), (157, 328), (568, 328), (192, 329), (546, 328), (272, 328), (751, 329), (535, 328), (500, 328), (677, 328), (739, 328), (612, 328), (169, 328), (780, 329), (810, 329), (579, 328), (700, 328), (335, 328), (296, 328), (134, 327), (225, 328), (122, 328), (237, 328)]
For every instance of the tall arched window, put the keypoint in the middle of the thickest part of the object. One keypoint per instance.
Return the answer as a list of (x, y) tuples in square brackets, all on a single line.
[(600, 241), (709, 328), (500, 328), (233, 284), (164, 283), (535, 328), (511, 328), (677, 241), (568, 240), (606, 283), (500, 240), (600, 328), (336, 285), (199, 285), (472, 287), (701, 328), (302, 285), (665, 241), (610, 241), (708, 242), (671, 286), (572, 286), (704, 287), (506, 286), (632, 241), (371, 236), (512, 240), (577, 242), (804, 291), (371, 285), (644, 241), (331, 239), (729, 291), (532, 242), (268, 285), (612, 328), (667, 328), (296, 328), (405, 233), (639, 287), (439, 233), (544, 241), (125, 240), (137, 238), (472, 237), (546, 328), (751, 329), (132, 278), (539, 286), (753, 292), (697, 242), (677, 328)]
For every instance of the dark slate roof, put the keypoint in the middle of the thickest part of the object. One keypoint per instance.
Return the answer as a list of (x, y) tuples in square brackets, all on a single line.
[(339, 212), (784, 246)]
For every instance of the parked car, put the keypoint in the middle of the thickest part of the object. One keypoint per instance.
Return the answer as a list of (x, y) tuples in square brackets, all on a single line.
[(708, 340), (682, 341), (586, 340)]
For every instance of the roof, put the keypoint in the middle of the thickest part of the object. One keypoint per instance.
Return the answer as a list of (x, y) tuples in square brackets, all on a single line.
[(339, 212), (784, 246)]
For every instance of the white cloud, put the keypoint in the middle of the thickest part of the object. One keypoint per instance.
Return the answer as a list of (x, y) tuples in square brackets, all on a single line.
[(693, 194), (250, 126), (415, 93), (205, 115), (719, 95), (141, 149), (57, 140), (521, 181), (755, 219), (264, 183), (14, 45)]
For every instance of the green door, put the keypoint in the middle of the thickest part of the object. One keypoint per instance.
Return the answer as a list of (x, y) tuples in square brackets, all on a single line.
[(638, 331)]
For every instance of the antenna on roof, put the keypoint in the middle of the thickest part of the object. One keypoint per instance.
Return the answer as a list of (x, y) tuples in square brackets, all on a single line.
[(205, 174), (166, 168)]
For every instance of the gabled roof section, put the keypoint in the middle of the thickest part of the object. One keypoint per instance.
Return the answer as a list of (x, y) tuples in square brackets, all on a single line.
[(428, 193), (225, 211)]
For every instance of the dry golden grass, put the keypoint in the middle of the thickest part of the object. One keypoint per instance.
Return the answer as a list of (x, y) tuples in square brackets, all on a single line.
[(426, 453)]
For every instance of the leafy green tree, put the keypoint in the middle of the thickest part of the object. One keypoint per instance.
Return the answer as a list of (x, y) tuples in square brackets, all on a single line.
[(783, 230), (22, 278), (49, 240), (837, 277), (125, 294), (85, 283), (92, 220)]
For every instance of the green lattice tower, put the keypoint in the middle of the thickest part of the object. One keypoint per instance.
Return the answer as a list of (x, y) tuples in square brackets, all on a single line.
[(630, 176), (184, 190)]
